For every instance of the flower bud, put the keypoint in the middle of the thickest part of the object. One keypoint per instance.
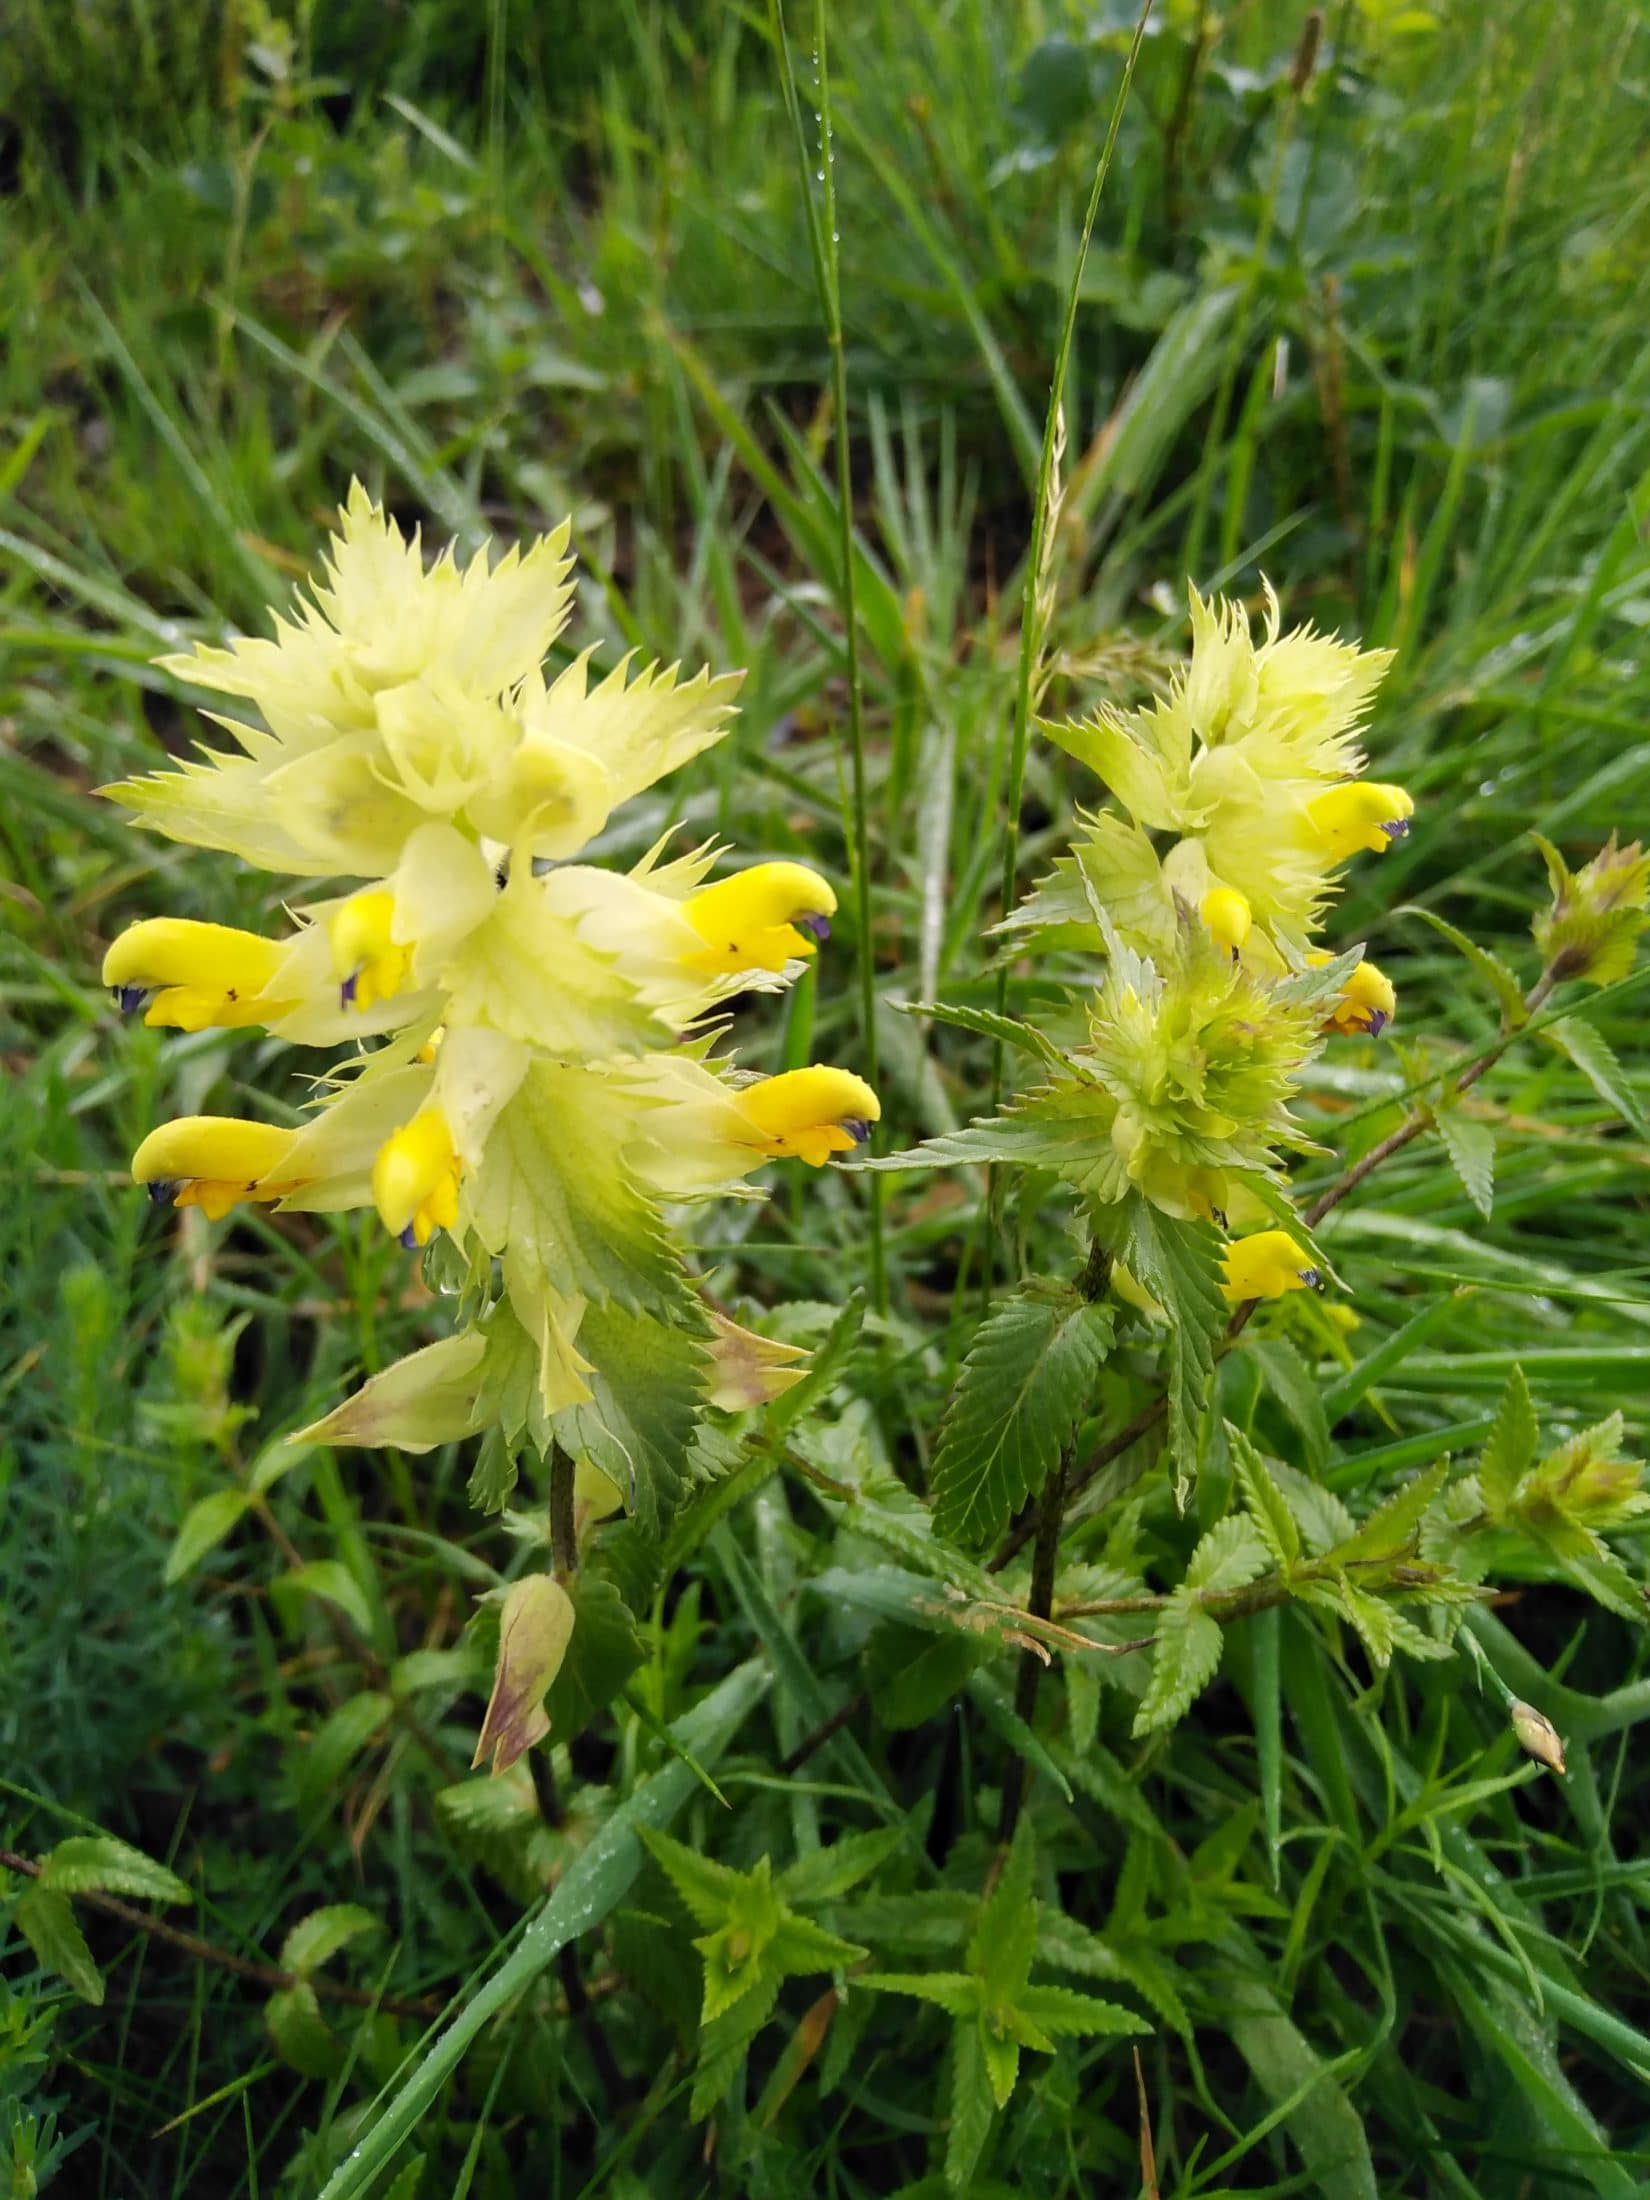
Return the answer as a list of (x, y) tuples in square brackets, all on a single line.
[(1597, 914), (368, 962), (1367, 1002), (1537, 1736), (534, 1629)]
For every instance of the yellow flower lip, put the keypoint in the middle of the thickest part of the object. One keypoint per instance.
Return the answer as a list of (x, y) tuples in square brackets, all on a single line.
[(1227, 918), (1266, 1266), (369, 963), (1361, 813), (415, 1179), (811, 1113), (1367, 1002), (211, 1161), (191, 974), (761, 918)]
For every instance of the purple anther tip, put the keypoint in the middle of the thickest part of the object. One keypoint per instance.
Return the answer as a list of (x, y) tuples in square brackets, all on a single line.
[(1378, 1021), (816, 927), (409, 1238), (346, 992), (857, 1128), (1311, 1278), (162, 1191), (1396, 828), (130, 998)]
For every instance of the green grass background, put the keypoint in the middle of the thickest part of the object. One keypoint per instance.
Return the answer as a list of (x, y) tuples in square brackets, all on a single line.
[(1379, 335)]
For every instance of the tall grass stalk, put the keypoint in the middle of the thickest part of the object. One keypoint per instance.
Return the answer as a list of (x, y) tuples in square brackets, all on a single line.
[(822, 245)]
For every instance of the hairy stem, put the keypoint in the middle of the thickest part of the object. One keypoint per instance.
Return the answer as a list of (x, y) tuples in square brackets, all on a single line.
[(564, 1548)]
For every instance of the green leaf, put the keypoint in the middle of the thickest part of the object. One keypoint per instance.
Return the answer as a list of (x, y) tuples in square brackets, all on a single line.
[(826, 1873), (593, 1883), (955, 1991), (1510, 1448), (96, 1863), (970, 2125), (303, 2039), (495, 1473), (331, 1580), (1001, 2053), (1004, 1941), (912, 1675), (800, 1948), (1229, 1557), (602, 1653), (1391, 1529), (338, 1741), (1179, 1264), (1316, 2112), (1297, 1389), (315, 1939), (1470, 1143), (204, 1527), (1020, 1393), (1268, 1507), (46, 1921), (1508, 993), (647, 1391), (1007, 1031), (1062, 2012), (724, 2044), (1189, 1644), (1587, 1047), (707, 1888)]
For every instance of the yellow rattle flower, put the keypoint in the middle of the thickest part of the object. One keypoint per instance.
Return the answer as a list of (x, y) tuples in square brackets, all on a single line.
[(211, 1161), (192, 975), (811, 1113), (1363, 813), (1265, 1266), (759, 919), (1226, 918), (415, 1179), (1366, 1003), (367, 962)]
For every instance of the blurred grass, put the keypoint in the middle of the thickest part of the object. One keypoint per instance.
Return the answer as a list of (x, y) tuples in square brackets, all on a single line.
[(1378, 335)]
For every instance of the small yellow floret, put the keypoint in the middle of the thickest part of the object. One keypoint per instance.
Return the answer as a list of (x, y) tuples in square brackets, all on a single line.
[(415, 1179), (1363, 813), (368, 962), (191, 975), (1367, 1002), (1226, 917), (759, 919), (211, 1161), (1265, 1266), (811, 1113)]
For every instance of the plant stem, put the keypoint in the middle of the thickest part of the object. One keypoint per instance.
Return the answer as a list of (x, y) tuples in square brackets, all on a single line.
[(822, 240), (564, 1549), (1035, 603), (207, 1951), (1094, 1282)]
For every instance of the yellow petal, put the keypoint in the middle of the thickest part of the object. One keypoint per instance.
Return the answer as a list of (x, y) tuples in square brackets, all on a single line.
[(760, 919), (192, 975), (415, 1177), (1363, 813), (211, 1161), (1226, 917), (1265, 1266), (811, 1113)]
